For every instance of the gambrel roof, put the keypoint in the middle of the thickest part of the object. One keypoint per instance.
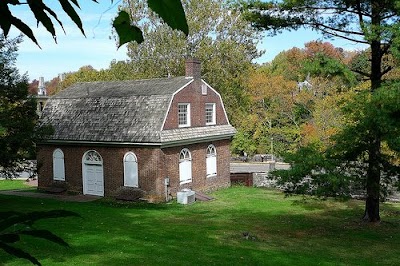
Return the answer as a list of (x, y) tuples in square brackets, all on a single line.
[(129, 112)]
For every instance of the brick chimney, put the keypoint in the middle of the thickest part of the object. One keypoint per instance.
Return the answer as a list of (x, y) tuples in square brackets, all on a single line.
[(193, 68)]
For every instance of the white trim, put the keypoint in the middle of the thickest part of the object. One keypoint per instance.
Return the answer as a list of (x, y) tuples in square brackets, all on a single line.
[(220, 99), (136, 182), (184, 163), (170, 102), (58, 165), (86, 163), (211, 160), (214, 115), (154, 144), (188, 113), (204, 89)]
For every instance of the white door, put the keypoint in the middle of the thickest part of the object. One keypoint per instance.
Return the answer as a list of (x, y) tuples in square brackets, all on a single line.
[(92, 171), (94, 180)]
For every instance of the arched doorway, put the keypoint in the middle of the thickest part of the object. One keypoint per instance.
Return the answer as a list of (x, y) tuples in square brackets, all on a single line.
[(92, 174)]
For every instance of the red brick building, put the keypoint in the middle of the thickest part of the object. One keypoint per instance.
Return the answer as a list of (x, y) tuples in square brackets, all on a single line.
[(158, 135)]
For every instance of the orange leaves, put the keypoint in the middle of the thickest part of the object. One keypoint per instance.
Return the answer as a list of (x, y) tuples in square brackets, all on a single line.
[(263, 85), (315, 47)]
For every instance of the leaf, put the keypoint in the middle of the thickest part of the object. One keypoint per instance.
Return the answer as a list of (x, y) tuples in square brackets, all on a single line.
[(171, 11), (126, 31), (54, 15), (31, 217), (37, 8), (4, 215), (45, 234), (18, 253), (72, 14), (9, 238), (75, 2), (5, 14), (14, 2)]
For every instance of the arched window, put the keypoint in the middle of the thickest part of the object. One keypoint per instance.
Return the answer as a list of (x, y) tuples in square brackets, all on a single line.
[(92, 157), (211, 161), (185, 166), (130, 170), (58, 165)]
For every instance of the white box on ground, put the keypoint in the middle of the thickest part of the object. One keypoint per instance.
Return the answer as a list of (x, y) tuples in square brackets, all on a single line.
[(186, 196)]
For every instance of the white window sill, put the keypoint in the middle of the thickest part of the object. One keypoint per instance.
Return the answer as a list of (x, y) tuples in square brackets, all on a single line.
[(185, 182), (212, 175)]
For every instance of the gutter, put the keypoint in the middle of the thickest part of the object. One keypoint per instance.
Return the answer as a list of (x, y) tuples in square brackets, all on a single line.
[(166, 144)]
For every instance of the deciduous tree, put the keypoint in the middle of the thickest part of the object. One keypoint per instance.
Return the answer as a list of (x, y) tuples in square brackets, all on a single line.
[(219, 37), (370, 22), (18, 116)]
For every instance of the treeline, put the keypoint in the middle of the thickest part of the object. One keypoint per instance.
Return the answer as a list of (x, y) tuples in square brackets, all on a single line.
[(298, 99), (295, 100)]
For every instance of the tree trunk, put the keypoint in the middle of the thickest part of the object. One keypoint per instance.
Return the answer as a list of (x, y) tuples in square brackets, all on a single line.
[(371, 213)]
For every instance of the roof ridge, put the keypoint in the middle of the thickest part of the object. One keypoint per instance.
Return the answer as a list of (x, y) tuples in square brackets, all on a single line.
[(129, 80)]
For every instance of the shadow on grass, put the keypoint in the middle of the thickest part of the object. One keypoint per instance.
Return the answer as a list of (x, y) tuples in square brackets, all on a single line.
[(280, 231)]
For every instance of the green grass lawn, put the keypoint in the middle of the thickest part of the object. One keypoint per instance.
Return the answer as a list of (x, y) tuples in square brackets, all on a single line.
[(283, 231), (7, 184)]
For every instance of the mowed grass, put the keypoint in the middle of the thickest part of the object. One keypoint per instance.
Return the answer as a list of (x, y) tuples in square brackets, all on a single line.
[(8, 184), (281, 231)]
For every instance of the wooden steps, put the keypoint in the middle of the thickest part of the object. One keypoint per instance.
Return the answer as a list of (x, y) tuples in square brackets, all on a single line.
[(202, 197)]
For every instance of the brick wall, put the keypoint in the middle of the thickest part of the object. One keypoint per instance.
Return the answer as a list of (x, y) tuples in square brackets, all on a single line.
[(192, 94), (200, 181), (153, 166), (148, 170)]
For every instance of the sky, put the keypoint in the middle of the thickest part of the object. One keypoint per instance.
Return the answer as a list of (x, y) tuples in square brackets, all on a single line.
[(73, 50)]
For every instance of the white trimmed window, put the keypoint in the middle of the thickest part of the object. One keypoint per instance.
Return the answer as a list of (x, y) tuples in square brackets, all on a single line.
[(211, 161), (58, 165), (210, 114), (184, 114), (185, 166), (131, 177)]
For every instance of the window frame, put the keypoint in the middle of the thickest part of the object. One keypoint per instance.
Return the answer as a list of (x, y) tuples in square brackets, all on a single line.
[(135, 161), (58, 165), (185, 114), (211, 161), (185, 161), (213, 113), (204, 89)]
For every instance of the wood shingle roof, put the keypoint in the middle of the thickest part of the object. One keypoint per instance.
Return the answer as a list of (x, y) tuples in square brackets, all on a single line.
[(120, 112)]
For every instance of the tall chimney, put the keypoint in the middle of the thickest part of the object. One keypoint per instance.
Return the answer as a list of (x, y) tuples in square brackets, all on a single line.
[(41, 87), (193, 68), (61, 77)]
